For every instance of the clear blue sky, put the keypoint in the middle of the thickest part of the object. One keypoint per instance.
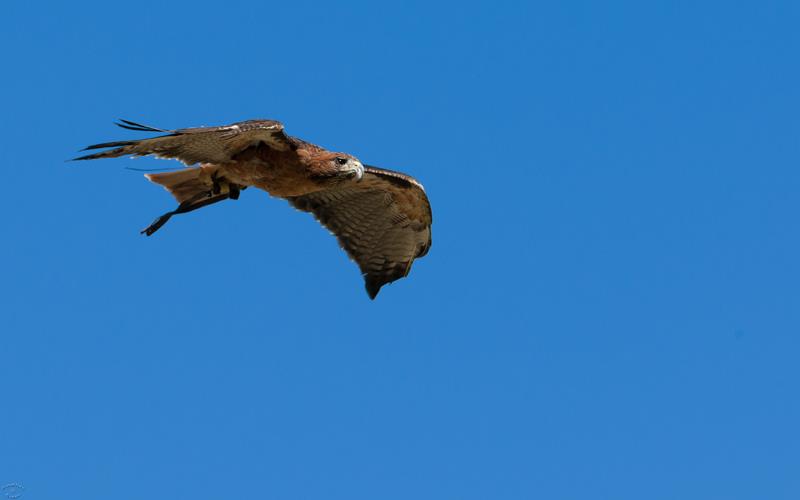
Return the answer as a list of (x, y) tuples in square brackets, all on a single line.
[(610, 309)]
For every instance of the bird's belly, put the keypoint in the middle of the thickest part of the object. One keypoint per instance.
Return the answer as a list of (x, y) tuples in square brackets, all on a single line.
[(278, 180)]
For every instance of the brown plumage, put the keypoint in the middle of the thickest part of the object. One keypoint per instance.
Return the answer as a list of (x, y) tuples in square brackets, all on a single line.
[(381, 218)]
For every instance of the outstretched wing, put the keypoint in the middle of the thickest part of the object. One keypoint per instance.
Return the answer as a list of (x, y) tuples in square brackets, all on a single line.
[(197, 145), (382, 221)]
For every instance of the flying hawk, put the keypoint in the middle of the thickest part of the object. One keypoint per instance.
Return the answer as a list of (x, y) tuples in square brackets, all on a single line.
[(381, 218)]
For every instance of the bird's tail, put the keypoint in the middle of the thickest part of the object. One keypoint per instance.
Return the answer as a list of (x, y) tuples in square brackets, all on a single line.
[(187, 183)]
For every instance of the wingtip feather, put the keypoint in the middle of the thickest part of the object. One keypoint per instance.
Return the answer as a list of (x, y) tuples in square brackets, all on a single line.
[(113, 144), (86, 157), (373, 287), (127, 124)]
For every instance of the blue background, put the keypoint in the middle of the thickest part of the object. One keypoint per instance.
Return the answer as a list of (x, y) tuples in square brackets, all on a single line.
[(610, 309)]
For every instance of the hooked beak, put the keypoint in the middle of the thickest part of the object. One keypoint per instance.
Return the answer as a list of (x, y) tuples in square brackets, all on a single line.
[(359, 171)]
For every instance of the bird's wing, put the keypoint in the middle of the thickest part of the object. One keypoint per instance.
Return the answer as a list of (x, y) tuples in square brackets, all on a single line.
[(197, 145), (382, 221)]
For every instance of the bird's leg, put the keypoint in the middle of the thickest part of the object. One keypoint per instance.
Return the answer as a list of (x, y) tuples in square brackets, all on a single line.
[(233, 191), (199, 200), (156, 225), (216, 188)]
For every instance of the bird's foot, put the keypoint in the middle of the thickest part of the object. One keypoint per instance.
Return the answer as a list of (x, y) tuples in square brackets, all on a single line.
[(156, 225)]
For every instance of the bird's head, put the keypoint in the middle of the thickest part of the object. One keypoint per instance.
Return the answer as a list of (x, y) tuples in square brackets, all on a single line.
[(346, 166), (335, 167)]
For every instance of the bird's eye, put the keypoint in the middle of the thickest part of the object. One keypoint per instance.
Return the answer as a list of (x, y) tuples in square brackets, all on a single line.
[(341, 160)]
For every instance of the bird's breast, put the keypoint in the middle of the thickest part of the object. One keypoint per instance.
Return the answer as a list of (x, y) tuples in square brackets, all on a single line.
[(278, 178)]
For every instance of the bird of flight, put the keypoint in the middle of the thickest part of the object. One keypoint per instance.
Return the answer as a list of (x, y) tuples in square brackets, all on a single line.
[(381, 218)]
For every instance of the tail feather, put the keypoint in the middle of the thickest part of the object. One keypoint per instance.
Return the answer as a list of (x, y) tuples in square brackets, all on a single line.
[(186, 183)]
